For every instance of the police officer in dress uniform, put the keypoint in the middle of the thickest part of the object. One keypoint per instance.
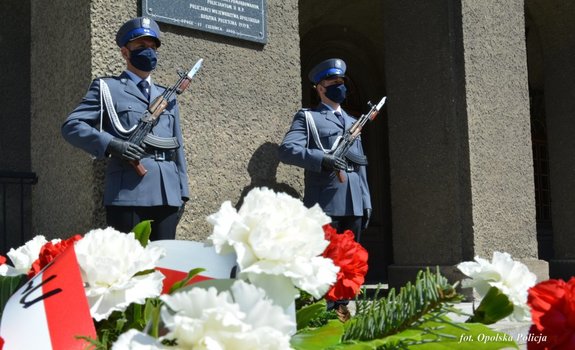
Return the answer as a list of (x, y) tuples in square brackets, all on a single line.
[(308, 143), (102, 123)]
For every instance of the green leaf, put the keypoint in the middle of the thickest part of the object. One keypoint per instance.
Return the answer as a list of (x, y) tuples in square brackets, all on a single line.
[(142, 232), (191, 274), (8, 286), (309, 312), (142, 317), (152, 316), (468, 336), (318, 338), (220, 284), (494, 306), (444, 336)]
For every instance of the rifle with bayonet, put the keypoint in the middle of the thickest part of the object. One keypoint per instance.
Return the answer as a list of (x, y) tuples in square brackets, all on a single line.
[(342, 149), (142, 133)]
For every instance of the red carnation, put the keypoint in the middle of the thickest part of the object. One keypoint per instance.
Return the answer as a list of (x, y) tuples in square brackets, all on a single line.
[(552, 305), (49, 252), (2, 261), (351, 258)]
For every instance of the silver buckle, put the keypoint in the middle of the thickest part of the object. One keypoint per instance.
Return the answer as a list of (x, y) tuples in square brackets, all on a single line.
[(159, 156)]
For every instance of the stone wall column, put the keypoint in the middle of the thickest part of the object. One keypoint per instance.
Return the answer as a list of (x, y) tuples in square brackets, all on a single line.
[(460, 150)]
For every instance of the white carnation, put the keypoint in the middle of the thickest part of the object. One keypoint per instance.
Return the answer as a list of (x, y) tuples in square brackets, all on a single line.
[(274, 234), (239, 319), (511, 277), (109, 261), (23, 257)]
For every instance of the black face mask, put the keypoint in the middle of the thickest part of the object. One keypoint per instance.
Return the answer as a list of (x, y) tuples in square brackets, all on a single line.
[(336, 92), (144, 59)]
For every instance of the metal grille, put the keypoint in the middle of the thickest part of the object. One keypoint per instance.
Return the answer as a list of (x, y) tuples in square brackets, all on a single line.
[(15, 208), (542, 183)]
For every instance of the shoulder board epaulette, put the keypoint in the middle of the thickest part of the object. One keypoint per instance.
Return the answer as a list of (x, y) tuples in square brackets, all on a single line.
[(107, 77)]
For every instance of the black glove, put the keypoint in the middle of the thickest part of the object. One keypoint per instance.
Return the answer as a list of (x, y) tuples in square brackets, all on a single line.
[(125, 149), (366, 218), (330, 162), (181, 210)]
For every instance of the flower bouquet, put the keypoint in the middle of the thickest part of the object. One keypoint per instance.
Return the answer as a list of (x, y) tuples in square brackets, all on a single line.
[(110, 291)]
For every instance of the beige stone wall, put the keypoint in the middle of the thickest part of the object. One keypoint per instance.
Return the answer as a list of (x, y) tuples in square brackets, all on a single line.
[(501, 161), (236, 112)]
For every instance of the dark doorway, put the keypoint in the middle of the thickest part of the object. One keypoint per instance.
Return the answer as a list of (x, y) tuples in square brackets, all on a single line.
[(16, 177), (326, 32), (541, 168)]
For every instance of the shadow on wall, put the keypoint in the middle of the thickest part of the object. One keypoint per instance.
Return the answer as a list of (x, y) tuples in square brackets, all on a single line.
[(262, 169)]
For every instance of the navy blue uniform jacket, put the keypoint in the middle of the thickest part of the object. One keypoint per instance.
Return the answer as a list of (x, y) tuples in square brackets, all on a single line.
[(298, 148), (166, 182)]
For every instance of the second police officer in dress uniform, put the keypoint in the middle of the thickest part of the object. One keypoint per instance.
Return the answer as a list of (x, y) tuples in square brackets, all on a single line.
[(307, 144), (101, 125)]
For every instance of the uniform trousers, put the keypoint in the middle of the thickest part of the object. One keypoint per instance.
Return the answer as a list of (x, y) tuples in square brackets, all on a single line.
[(353, 223), (164, 219)]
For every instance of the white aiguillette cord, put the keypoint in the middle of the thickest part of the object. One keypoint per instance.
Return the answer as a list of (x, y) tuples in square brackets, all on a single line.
[(311, 127), (107, 99)]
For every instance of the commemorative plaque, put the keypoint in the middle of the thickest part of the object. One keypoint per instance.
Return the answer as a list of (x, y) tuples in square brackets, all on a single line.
[(242, 19)]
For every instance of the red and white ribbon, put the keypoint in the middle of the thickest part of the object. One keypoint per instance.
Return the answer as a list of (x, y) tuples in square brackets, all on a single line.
[(50, 311), (183, 256)]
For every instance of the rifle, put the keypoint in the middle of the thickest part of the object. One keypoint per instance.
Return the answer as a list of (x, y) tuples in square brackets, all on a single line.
[(353, 133), (141, 134)]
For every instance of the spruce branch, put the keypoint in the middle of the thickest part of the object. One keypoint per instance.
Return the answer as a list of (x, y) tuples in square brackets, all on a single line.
[(431, 296)]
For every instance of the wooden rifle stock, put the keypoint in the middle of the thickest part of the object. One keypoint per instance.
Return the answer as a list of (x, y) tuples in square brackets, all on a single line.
[(340, 176), (139, 168), (183, 86)]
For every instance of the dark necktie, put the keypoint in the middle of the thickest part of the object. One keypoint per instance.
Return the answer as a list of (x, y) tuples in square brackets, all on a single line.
[(144, 87), (340, 117)]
